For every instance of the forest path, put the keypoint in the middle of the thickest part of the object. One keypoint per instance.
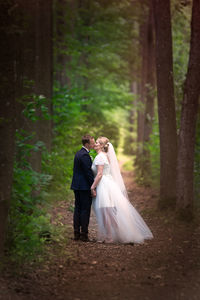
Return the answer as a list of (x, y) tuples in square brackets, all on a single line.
[(165, 268)]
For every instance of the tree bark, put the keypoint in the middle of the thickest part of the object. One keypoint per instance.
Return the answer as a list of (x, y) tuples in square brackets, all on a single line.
[(65, 11), (186, 144), (132, 113), (140, 118), (26, 70), (7, 116), (166, 103), (34, 68), (142, 94), (44, 65), (150, 86), (147, 84)]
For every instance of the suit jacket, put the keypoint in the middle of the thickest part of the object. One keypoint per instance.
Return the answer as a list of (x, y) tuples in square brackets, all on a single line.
[(82, 173)]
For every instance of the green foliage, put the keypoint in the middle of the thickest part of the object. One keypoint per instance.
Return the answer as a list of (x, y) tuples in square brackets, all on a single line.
[(154, 148), (129, 144), (27, 219), (25, 147), (95, 43), (75, 114), (27, 235), (35, 108), (69, 126), (181, 36), (96, 38), (148, 171)]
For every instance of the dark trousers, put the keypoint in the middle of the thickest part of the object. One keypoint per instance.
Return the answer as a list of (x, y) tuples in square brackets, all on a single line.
[(83, 201)]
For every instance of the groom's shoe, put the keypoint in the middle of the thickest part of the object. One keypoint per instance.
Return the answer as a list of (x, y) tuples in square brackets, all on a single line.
[(84, 237), (76, 236)]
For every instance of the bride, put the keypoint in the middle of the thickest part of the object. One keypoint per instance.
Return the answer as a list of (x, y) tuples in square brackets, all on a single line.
[(118, 220)]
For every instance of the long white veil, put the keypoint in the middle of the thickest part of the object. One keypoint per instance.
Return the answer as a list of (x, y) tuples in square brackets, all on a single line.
[(117, 219), (115, 169)]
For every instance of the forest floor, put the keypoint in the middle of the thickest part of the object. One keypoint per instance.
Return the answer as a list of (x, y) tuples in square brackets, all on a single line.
[(166, 267)]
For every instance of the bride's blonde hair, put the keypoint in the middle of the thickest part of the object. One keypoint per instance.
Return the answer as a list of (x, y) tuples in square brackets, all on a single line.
[(104, 141)]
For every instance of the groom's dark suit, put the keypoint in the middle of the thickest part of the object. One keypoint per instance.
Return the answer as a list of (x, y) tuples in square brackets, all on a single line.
[(81, 182)]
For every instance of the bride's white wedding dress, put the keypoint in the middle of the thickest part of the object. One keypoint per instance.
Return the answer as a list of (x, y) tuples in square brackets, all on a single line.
[(118, 220)]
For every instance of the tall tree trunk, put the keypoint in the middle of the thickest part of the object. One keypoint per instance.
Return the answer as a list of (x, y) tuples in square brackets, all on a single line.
[(143, 41), (166, 103), (147, 84), (7, 116), (186, 145), (132, 113), (34, 67), (142, 93), (44, 65), (64, 19), (60, 46), (26, 69), (150, 86), (130, 138)]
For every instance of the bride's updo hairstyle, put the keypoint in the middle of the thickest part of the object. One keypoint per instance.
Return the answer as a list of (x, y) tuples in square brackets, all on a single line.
[(104, 141)]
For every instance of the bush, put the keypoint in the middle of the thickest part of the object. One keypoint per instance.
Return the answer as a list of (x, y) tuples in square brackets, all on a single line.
[(27, 219)]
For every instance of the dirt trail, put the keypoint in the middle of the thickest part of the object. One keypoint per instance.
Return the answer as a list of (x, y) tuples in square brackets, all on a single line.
[(167, 267)]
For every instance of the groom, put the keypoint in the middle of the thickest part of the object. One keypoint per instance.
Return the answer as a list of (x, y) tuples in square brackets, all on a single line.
[(81, 182)]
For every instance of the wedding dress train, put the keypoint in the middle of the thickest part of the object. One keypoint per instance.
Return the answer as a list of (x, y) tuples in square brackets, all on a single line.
[(118, 220)]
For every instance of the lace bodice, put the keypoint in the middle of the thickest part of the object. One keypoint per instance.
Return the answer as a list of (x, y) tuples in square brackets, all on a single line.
[(101, 159)]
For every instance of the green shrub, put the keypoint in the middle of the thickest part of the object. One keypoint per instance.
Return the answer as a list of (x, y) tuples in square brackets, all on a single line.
[(27, 219)]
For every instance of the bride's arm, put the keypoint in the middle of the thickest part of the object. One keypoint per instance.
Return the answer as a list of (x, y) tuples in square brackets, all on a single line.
[(98, 177)]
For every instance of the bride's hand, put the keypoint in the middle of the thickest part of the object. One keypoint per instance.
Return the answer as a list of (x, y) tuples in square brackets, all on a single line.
[(93, 192)]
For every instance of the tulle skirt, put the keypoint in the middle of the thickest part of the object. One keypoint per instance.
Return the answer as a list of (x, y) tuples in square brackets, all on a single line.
[(118, 220)]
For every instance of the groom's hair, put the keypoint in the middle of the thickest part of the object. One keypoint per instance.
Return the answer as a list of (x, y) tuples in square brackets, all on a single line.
[(86, 139)]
